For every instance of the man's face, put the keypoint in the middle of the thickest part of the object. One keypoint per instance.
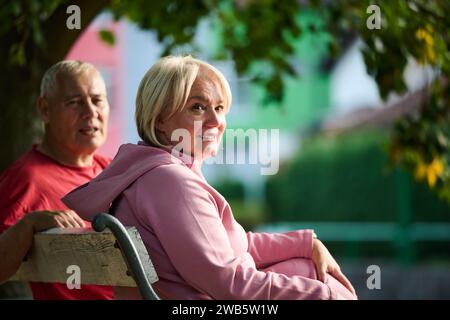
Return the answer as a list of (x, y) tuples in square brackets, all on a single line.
[(76, 113)]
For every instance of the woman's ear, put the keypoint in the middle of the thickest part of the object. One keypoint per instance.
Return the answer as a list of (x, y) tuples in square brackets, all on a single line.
[(43, 109), (159, 125)]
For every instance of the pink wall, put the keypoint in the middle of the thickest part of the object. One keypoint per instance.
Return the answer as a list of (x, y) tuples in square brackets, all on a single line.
[(109, 60)]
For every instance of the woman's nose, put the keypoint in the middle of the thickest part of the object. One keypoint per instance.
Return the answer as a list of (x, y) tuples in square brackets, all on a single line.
[(213, 119)]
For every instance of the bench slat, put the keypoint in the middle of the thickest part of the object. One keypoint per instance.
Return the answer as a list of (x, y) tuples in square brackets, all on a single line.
[(96, 253)]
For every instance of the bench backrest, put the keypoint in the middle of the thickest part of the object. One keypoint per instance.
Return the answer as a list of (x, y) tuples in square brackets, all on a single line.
[(55, 252)]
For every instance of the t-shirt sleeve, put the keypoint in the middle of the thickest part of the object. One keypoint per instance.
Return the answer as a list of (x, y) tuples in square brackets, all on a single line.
[(186, 221), (270, 248), (11, 210)]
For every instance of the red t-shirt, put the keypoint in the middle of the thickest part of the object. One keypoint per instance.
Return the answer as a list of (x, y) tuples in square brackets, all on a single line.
[(37, 182)]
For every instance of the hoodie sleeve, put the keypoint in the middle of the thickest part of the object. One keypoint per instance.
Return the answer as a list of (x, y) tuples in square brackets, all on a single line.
[(185, 219), (270, 248)]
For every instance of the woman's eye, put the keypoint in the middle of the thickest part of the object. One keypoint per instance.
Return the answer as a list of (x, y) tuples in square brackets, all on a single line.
[(198, 107), (220, 108)]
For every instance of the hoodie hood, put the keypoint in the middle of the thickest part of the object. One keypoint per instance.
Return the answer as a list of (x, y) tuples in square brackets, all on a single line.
[(131, 162)]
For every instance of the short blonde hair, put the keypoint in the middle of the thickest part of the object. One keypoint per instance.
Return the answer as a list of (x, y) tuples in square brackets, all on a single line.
[(49, 81), (164, 90)]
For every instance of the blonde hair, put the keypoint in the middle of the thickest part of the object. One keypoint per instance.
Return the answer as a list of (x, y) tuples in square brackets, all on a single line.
[(71, 67), (164, 90)]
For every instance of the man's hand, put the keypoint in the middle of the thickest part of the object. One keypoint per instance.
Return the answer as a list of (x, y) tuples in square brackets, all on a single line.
[(325, 263), (42, 220), (16, 241)]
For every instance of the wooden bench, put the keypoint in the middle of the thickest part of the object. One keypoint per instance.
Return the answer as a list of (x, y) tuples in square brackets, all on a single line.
[(108, 255)]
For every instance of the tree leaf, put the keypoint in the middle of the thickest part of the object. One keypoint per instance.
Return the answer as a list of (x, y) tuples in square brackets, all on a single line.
[(107, 36)]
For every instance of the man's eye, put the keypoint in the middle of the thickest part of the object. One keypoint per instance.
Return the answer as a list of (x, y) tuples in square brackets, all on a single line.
[(73, 102)]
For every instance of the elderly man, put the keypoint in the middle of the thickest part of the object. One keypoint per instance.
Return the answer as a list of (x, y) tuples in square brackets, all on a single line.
[(74, 108)]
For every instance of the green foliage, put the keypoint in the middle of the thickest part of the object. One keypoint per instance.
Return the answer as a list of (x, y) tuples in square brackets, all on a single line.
[(261, 31), (264, 32), (174, 21), (248, 214), (421, 142), (230, 189), (410, 30), (416, 29), (107, 36), (23, 19), (346, 178)]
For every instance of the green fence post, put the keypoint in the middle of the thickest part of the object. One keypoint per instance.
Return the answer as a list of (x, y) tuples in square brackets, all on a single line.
[(403, 241)]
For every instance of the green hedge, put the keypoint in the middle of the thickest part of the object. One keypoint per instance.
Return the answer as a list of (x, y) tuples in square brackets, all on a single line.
[(248, 214), (230, 189), (347, 178)]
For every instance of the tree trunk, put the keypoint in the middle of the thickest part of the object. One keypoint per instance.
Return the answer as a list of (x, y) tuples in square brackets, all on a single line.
[(20, 126)]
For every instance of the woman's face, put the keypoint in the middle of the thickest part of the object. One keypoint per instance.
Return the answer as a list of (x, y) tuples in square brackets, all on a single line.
[(198, 127)]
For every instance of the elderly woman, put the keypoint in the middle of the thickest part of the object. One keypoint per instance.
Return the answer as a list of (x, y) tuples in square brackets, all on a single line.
[(198, 249)]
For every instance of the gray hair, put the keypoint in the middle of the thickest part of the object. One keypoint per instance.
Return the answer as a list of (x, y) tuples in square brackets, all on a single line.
[(70, 67)]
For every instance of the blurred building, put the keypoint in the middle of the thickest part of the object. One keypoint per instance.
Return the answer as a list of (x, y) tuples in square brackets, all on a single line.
[(354, 98)]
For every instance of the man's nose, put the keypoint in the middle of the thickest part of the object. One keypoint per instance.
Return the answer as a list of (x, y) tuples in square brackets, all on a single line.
[(89, 109)]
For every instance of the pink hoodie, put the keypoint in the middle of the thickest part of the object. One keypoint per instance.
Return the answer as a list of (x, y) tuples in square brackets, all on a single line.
[(199, 251)]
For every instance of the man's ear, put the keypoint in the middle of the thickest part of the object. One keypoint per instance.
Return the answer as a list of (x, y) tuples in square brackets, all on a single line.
[(43, 109)]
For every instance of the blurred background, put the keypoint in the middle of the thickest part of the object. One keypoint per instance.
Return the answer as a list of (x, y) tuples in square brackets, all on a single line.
[(361, 106)]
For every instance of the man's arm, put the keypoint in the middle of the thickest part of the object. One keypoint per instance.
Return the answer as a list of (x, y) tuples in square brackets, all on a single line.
[(16, 241), (14, 245)]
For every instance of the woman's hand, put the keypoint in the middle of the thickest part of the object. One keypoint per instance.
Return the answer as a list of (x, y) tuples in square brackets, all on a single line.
[(325, 263)]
